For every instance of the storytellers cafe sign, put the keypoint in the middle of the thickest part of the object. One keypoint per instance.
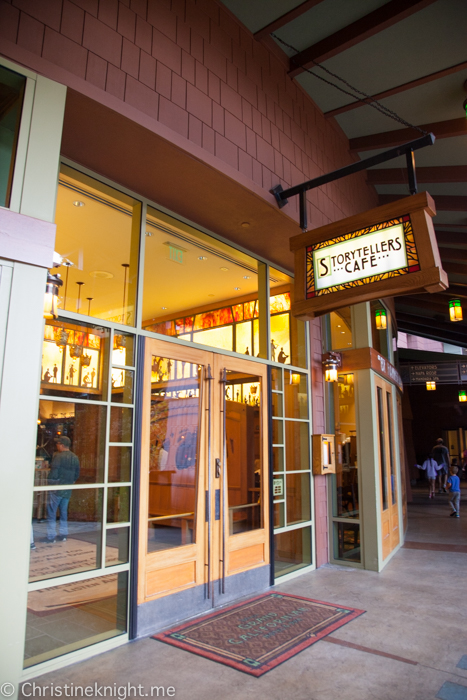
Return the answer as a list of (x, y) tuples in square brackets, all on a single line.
[(387, 251)]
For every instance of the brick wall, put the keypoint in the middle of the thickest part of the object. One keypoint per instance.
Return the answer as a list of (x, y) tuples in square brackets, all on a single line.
[(191, 66)]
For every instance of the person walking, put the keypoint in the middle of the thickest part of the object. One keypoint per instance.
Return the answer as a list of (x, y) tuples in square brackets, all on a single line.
[(454, 492), (441, 454), (432, 468)]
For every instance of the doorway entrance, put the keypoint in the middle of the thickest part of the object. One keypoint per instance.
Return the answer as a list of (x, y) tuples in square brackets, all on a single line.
[(204, 520)]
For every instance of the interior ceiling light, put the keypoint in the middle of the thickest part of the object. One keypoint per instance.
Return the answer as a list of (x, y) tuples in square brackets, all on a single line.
[(246, 277), (237, 289), (224, 269), (101, 274), (202, 257), (164, 308), (78, 203), (462, 396), (149, 234), (245, 224), (431, 386)]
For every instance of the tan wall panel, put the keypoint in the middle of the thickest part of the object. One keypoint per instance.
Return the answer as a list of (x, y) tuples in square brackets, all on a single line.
[(174, 577), (244, 558)]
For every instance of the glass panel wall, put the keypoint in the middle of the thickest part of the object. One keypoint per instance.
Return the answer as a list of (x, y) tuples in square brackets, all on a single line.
[(341, 329), (98, 233), (291, 484), (12, 86), (82, 490), (288, 344)]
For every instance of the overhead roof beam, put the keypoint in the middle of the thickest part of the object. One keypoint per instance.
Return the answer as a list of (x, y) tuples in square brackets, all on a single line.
[(399, 88), (285, 19), (386, 139), (453, 253), (436, 330), (398, 176), (455, 268), (364, 28), (444, 202)]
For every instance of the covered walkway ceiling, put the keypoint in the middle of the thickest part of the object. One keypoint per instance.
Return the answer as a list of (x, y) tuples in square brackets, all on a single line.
[(411, 56)]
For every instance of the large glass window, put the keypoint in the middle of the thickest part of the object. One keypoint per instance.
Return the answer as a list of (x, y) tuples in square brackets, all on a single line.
[(345, 480), (288, 343), (12, 86), (98, 233), (341, 329)]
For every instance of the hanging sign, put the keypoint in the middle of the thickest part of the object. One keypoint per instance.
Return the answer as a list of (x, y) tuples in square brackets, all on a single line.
[(387, 251)]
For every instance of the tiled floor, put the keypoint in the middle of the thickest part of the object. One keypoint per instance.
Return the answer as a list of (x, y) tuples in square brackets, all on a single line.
[(416, 612)]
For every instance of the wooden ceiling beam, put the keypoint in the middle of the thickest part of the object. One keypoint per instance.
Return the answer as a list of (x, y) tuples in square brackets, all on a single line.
[(398, 176), (398, 89), (364, 28), (451, 238), (443, 202), (285, 19), (387, 139), (440, 332), (429, 304), (453, 254)]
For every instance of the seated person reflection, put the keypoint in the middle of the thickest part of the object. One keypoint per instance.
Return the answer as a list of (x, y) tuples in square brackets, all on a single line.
[(64, 470)]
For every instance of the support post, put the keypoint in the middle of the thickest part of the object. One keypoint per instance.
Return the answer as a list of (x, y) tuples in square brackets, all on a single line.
[(410, 158)]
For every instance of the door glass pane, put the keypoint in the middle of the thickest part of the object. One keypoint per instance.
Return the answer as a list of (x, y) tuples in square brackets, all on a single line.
[(120, 463), (62, 619), (121, 424), (341, 329), (296, 395), (122, 385), (391, 450), (65, 533), (12, 87), (117, 546), (292, 551), (382, 449), (173, 452), (244, 454)]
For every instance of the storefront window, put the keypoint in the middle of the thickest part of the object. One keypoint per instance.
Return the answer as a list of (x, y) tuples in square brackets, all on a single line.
[(341, 329), (64, 618), (12, 87), (347, 542), (288, 344), (98, 233), (345, 480), (292, 551)]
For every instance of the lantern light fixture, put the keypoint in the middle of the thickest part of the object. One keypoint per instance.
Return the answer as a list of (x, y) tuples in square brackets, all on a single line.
[(381, 319), (331, 362), (462, 396), (294, 378), (455, 310), (51, 296), (431, 386)]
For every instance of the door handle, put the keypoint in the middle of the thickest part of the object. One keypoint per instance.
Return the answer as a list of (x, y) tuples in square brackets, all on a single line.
[(218, 468)]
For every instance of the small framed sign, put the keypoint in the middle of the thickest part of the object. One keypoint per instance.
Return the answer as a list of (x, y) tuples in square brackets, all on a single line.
[(386, 251)]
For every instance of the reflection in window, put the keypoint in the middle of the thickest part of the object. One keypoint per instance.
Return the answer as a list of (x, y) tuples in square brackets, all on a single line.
[(12, 87), (66, 532), (98, 279), (345, 480), (341, 329), (243, 450), (64, 618), (173, 452), (84, 426)]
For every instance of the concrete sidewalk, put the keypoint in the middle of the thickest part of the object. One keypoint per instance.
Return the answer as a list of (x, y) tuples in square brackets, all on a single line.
[(416, 611)]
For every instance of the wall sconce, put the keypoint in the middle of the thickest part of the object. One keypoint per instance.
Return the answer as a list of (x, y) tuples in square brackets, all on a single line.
[(431, 386), (381, 319), (462, 396), (331, 362), (51, 296), (455, 310), (294, 378)]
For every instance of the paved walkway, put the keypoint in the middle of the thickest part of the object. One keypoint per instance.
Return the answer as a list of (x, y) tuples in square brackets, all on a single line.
[(410, 645)]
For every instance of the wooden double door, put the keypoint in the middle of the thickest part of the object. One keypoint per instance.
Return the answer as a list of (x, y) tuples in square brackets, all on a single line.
[(389, 497), (203, 495)]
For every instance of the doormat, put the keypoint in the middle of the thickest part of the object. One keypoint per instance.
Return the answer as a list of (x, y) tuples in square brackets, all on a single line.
[(261, 633)]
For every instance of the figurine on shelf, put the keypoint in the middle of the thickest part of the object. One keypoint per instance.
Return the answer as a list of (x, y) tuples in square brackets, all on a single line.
[(93, 375), (71, 372), (274, 347), (47, 376), (282, 356), (86, 380), (247, 352), (55, 372)]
